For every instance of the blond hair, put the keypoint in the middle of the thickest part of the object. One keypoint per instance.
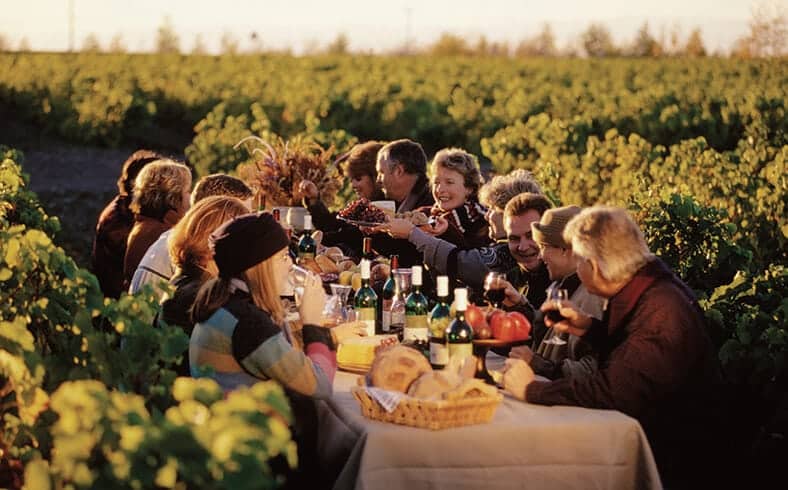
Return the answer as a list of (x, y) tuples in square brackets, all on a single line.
[(188, 244), (262, 287), (462, 162), (159, 187), (216, 292), (610, 237), (502, 188)]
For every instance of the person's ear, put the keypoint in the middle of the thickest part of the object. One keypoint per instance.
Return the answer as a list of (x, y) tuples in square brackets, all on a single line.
[(595, 270)]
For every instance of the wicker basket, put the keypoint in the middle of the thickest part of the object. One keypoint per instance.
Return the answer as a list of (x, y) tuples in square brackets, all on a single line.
[(430, 414)]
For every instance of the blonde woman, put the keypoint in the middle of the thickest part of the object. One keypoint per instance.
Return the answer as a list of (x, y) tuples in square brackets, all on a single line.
[(192, 256), (161, 198), (240, 317)]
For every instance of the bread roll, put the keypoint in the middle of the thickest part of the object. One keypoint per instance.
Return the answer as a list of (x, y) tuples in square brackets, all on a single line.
[(345, 265), (397, 367), (471, 388), (311, 265), (432, 386), (334, 253), (326, 264)]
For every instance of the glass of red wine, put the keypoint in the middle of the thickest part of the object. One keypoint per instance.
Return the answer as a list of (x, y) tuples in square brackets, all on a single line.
[(556, 295), (494, 288)]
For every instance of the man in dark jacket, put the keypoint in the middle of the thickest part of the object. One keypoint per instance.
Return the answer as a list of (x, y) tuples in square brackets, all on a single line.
[(656, 362)]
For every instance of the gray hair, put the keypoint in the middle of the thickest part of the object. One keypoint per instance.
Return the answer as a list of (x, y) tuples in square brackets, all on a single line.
[(502, 188), (610, 237)]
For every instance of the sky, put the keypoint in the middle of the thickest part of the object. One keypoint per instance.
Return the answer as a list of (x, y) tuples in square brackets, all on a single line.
[(368, 24)]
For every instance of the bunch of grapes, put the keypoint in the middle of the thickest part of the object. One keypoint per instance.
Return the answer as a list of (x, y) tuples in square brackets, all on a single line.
[(362, 210)]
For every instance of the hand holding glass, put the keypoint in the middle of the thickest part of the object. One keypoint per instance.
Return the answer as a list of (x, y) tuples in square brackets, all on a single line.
[(556, 295), (494, 288)]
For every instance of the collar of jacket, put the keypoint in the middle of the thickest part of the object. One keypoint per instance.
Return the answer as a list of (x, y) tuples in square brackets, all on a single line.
[(419, 196), (622, 303), (170, 218)]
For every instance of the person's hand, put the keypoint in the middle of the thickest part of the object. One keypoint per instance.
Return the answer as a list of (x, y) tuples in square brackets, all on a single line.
[(512, 297), (522, 352), (308, 190), (348, 330), (397, 227), (438, 226), (312, 301), (517, 375), (575, 321)]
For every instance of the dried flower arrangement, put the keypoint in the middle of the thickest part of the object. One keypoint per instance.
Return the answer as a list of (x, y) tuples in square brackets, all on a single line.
[(279, 168)]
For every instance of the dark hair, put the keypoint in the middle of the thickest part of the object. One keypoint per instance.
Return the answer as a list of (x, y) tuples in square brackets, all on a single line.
[(362, 159), (220, 185), (407, 153), (131, 167), (522, 203)]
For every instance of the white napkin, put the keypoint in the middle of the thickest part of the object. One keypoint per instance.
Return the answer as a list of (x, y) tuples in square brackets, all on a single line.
[(387, 399)]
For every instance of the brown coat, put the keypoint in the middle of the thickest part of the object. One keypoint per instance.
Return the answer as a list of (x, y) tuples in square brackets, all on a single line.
[(144, 232), (109, 246), (656, 364)]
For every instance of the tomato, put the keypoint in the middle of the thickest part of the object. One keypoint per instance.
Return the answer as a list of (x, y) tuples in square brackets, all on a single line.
[(522, 327), (475, 318), (502, 326)]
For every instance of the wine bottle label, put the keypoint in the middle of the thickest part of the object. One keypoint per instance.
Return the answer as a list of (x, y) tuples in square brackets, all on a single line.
[(305, 255), (397, 319), (460, 350), (385, 320), (416, 328), (439, 354), (367, 315)]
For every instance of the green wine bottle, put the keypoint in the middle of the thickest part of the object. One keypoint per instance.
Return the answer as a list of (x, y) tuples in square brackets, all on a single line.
[(306, 245), (416, 311), (366, 301), (439, 320), (459, 335)]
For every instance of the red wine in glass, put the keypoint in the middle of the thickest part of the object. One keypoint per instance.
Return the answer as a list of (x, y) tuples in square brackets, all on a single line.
[(495, 296), (554, 316)]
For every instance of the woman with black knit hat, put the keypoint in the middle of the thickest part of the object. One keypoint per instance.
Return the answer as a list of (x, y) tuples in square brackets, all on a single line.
[(239, 315)]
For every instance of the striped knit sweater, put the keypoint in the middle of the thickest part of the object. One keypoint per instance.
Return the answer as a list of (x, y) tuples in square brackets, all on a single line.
[(243, 345)]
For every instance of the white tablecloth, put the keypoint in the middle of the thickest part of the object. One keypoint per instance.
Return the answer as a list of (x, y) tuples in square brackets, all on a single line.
[(524, 446)]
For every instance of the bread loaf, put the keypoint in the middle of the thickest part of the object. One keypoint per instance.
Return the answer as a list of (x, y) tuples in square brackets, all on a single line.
[(433, 385), (326, 264), (397, 367), (471, 388)]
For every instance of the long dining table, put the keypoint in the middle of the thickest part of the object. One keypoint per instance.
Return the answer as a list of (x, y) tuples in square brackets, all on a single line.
[(523, 446)]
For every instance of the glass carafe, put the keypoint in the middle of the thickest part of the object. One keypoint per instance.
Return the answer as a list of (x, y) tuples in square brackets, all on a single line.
[(337, 310), (402, 278)]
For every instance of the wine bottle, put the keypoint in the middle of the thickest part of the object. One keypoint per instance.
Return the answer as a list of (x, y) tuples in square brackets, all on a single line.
[(387, 295), (416, 311), (306, 245), (439, 321), (366, 301), (366, 249), (459, 335)]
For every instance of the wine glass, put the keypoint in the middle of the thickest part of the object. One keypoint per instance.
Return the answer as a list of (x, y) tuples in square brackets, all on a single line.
[(557, 295), (494, 288), (295, 281)]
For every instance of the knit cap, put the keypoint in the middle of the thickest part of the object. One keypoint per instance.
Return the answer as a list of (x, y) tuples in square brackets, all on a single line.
[(246, 241)]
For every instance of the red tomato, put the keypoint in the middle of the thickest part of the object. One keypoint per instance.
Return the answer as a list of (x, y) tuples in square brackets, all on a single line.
[(475, 318), (522, 326), (502, 327)]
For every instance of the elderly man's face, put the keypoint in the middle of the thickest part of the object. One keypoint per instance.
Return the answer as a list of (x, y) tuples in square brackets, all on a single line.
[(521, 243), (387, 179), (494, 217)]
